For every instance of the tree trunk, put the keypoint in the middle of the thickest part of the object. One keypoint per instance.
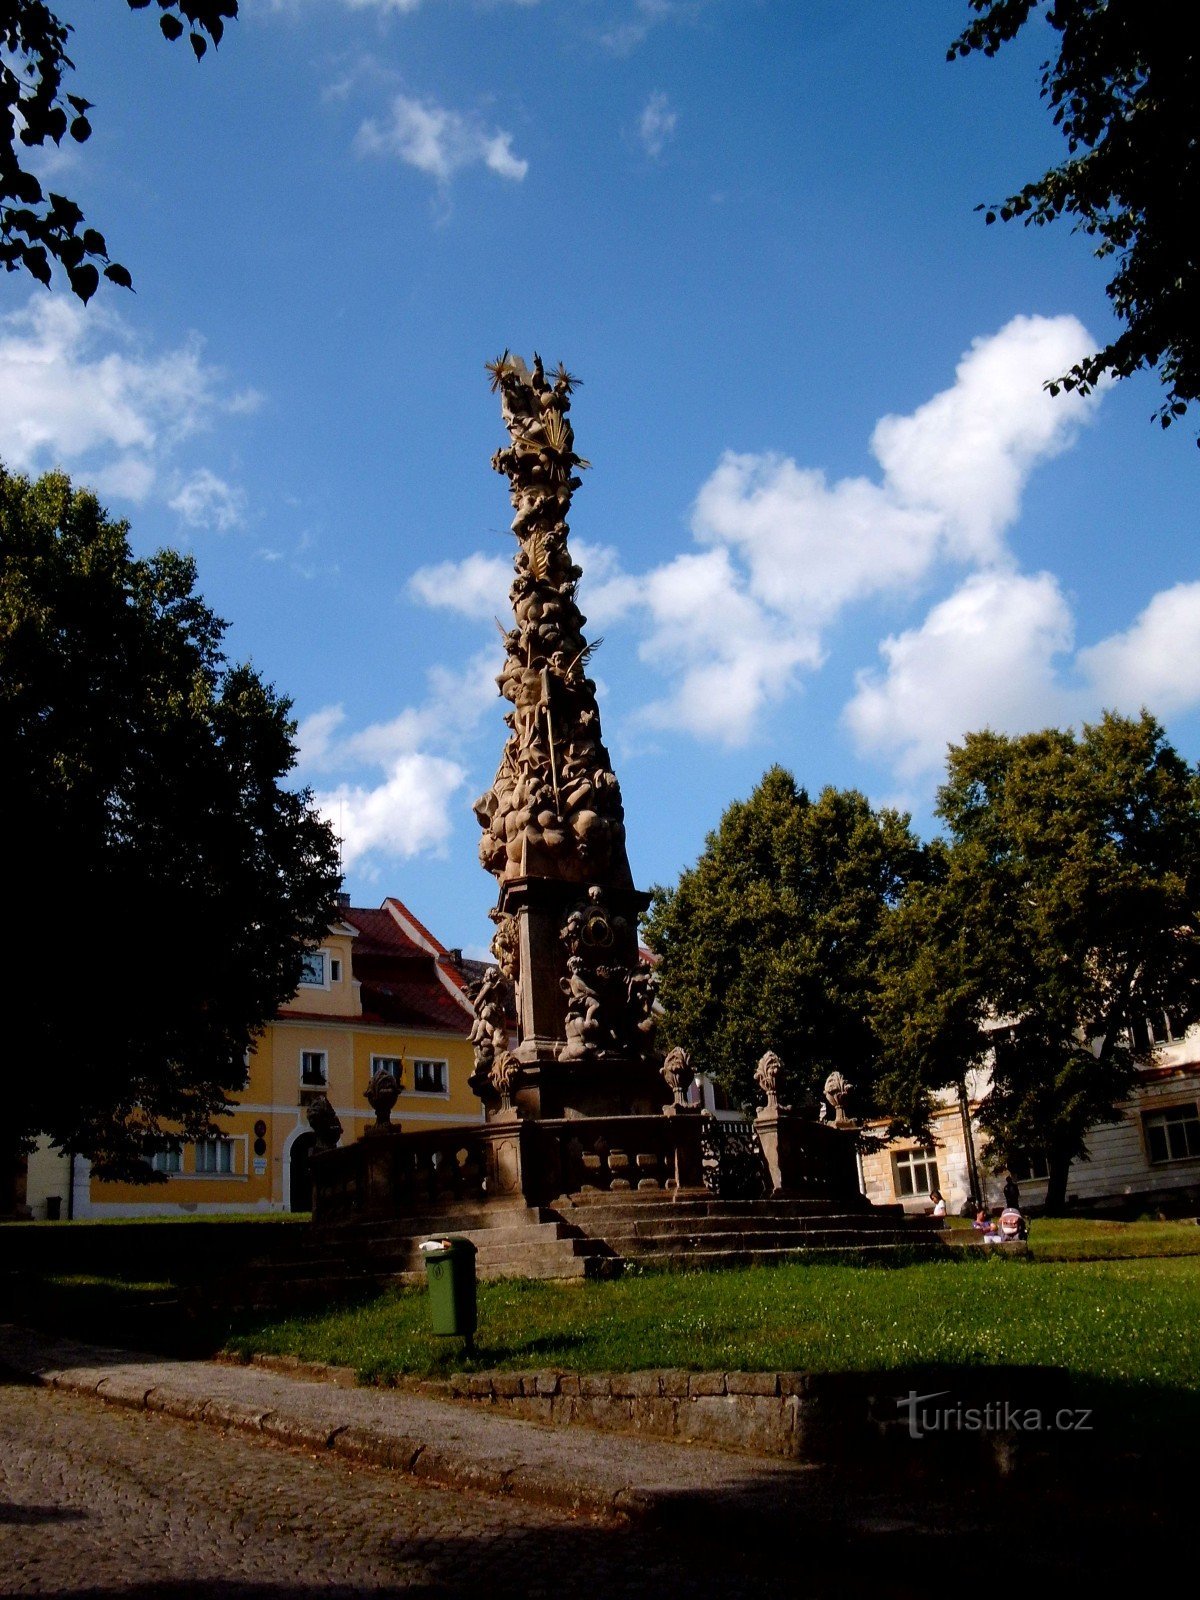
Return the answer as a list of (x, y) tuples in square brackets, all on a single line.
[(1056, 1184)]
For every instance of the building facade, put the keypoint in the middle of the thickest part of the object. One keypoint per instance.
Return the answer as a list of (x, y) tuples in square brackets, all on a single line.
[(1149, 1158), (380, 991)]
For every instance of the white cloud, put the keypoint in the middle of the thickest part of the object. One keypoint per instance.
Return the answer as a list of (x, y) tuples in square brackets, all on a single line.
[(1155, 662), (475, 587), (410, 809), (967, 453), (438, 141), (656, 125), (406, 815), (782, 552), (984, 657), (77, 391), (206, 501)]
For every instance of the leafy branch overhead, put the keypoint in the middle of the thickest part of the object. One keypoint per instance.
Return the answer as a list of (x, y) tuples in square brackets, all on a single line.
[(38, 227), (1125, 90)]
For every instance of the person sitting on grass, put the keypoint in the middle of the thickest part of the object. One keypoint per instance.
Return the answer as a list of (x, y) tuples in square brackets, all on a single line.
[(1013, 1227), (939, 1205)]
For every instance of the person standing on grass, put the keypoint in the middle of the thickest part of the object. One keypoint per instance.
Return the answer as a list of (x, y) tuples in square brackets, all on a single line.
[(1012, 1195)]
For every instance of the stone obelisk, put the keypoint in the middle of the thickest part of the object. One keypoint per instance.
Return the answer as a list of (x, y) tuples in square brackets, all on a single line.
[(553, 822)]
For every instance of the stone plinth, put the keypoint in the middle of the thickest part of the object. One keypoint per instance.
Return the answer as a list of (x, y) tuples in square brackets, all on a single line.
[(806, 1157)]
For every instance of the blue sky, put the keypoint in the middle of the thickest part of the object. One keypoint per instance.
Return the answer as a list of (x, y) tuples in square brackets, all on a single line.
[(832, 519)]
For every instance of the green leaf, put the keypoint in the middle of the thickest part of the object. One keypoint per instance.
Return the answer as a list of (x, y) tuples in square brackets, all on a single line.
[(93, 243), (37, 264), (199, 45), (81, 129), (119, 275), (171, 26)]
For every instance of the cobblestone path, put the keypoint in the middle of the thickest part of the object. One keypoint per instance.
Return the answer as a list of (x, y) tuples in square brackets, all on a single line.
[(98, 1500)]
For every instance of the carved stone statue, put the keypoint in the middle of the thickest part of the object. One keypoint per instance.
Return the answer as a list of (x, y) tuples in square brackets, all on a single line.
[(505, 1077), (324, 1122), (489, 1031)]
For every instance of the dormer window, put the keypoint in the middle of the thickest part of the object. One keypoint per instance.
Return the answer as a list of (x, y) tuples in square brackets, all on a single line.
[(312, 972), (335, 970)]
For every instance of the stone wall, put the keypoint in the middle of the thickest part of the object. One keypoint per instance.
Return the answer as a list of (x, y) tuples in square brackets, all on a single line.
[(799, 1416)]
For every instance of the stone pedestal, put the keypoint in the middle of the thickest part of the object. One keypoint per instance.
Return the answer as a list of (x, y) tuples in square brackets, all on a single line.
[(808, 1158), (553, 1082)]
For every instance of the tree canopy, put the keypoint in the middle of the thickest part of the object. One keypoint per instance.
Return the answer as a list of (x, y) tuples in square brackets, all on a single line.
[(1063, 913), (163, 881), (39, 227), (1125, 89), (768, 941)]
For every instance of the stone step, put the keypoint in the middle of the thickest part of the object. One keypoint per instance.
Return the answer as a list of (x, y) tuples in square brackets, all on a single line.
[(759, 1244), (704, 1260), (438, 1223), (635, 1227)]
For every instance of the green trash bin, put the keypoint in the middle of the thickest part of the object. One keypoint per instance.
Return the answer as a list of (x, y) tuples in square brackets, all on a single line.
[(450, 1271)]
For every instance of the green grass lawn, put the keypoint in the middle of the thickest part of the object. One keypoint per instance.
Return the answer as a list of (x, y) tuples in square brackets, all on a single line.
[(1090, 1239), (1129, 1321)]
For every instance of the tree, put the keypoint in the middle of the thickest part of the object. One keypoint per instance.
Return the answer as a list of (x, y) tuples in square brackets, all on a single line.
[(163, 883), (1063, 913), (38, 228), (1125, 89), (767, 942)]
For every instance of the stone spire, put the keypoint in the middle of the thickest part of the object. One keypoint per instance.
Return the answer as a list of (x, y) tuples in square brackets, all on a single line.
[(554, 809), (553, 823)]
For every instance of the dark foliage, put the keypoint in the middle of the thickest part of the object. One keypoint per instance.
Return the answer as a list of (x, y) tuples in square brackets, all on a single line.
[(39, 228), (163, 882), (1125, 89)]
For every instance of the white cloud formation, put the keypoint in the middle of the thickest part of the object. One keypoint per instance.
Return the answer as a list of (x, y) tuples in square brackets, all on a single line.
[(77, 391), (476, 587), (410, 809), (1155, 662), (406, 815), (656, 125), (983, 657), (782, 552), (438, 141), (206, 501)]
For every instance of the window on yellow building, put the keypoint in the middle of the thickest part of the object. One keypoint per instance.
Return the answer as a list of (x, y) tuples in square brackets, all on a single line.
[(392, 1064), (312, 972), (431, 1077), (214, 1157), (314, 1069)]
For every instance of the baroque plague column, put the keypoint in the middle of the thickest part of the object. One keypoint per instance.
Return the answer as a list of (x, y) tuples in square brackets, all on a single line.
[(553, 824)]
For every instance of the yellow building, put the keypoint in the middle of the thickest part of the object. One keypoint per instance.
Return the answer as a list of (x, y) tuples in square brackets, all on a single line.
[(379, 992)]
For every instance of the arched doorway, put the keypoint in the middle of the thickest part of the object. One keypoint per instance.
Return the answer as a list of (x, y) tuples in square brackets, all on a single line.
[(300, 1173)]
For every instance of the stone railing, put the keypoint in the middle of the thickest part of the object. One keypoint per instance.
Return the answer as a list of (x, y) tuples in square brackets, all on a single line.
[(405, 1174)]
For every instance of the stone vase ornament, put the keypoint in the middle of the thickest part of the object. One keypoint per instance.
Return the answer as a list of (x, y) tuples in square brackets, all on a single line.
[(770, 1075), (677, 1073), (382, 1093), (505, 1079), (324, 1122)]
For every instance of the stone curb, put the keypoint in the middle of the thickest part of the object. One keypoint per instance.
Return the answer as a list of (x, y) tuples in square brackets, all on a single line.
[(500, 1460), (434, 1463)]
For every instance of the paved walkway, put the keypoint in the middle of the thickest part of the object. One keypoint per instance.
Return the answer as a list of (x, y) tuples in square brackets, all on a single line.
[(199, 1479)]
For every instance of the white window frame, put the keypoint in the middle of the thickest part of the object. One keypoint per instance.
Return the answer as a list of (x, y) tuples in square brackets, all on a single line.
[(315, 1083), (908, 1161), (168, 1162), (315, 983), (1163, 1119), (235, 1144), (335, 969), (392, 1064), (444, 1073)]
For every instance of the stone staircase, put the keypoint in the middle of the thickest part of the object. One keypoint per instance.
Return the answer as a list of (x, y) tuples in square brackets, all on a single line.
[(587, 1235)]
